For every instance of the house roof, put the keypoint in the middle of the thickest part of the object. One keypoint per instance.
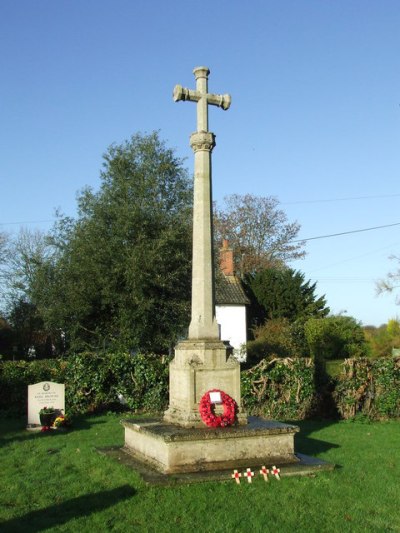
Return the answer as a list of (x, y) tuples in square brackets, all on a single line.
[(229, 291)]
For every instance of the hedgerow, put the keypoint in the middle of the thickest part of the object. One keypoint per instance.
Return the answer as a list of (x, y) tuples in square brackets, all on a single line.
[(97, 380), (279, 388), (287, 388), (369, 387), (15, 376), (92, 381)]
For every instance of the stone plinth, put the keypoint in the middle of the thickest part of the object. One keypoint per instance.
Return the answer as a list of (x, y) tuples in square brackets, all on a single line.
[(198, 367), (172, 449)]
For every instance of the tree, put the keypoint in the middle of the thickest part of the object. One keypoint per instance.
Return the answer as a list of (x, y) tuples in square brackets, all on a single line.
[(391, 282), (3, 247), (26, 254), (393, 327), (335, 337), (258, 231), (6, 337), (28, 329), (3, 260), (281, 302), (284, 293), (275, 338), (384, 338), (120, 273)]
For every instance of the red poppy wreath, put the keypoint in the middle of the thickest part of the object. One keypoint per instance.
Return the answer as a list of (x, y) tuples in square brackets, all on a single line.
[(207, 410)]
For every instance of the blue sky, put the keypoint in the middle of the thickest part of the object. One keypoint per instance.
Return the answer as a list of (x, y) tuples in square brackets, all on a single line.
[(314, 121)]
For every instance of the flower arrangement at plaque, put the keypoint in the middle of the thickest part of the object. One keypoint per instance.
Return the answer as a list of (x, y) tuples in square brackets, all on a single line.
[(62, 422), (47, 416), (51, 418)]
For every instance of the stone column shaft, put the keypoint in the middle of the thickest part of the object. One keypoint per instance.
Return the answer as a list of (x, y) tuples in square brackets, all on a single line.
[(203, 323)]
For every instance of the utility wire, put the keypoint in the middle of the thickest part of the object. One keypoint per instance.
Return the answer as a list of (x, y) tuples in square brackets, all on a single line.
[(346, 232), (340, 199), (25, 222), (281, 203)]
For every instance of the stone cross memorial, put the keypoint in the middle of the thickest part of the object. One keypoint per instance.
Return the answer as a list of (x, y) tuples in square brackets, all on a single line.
[(203, 369), (202, 362), (203, 324)]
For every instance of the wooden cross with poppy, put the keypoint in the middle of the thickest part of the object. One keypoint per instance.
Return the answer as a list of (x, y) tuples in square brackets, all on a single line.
[(236, 476), (249, 474), (264, 472), (275, 472)]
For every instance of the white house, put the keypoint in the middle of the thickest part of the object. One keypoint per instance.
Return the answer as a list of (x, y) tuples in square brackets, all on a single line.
[(231, 302)]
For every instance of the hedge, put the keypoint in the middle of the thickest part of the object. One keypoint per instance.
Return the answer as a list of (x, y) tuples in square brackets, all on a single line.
[(16, 376), (279, 388), (92, 381), (369, 387)]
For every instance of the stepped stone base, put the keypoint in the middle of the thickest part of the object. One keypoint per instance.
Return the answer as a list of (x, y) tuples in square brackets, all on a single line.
[(174, 449)]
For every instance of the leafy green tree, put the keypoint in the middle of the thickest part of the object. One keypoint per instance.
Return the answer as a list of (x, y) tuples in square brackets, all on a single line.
[(258, 231), (384, 338), (284, 293), (393, 327), (28, 329), (335, 337), (6, 337), (275, 338), (281, 302), (119, 274)]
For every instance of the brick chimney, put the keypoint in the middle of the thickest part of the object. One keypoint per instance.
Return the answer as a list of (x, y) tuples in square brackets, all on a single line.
[(226, 259)]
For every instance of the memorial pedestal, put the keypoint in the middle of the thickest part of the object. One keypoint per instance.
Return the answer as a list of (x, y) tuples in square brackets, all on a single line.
[(172, 449), (199, 366)]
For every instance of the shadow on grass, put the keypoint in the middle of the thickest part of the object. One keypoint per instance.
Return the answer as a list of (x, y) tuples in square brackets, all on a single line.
[(304, 443), (10, 430), (59, 514)]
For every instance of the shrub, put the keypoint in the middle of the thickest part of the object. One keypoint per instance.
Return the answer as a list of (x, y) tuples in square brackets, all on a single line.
[(335, 337), (276, 338), (96, 380), (370, 388), (279, 388), (15, 376), (92, 381)]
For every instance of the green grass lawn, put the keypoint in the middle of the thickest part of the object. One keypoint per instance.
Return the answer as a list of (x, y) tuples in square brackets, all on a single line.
[(58, 482)]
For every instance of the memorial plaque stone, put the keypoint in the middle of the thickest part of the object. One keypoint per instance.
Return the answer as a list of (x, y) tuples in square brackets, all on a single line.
[(44, 394)]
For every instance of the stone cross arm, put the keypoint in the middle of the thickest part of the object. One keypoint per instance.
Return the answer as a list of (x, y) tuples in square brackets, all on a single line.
[(202, 97), (220, 100)]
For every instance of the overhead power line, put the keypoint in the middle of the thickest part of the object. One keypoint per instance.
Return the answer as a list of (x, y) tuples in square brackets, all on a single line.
[(325, 200), (25, 222), (341, 199), (347, 232)]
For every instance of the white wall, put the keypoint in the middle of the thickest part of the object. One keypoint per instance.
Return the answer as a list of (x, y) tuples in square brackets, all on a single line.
[(232, 325)]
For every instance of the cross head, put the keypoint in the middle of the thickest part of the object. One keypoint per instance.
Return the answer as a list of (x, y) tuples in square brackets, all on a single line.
[(202, 97)]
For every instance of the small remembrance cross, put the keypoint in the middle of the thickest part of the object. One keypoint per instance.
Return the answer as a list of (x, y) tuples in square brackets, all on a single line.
[(264, 472), (236, 476), (275, 471), (249, 474)]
